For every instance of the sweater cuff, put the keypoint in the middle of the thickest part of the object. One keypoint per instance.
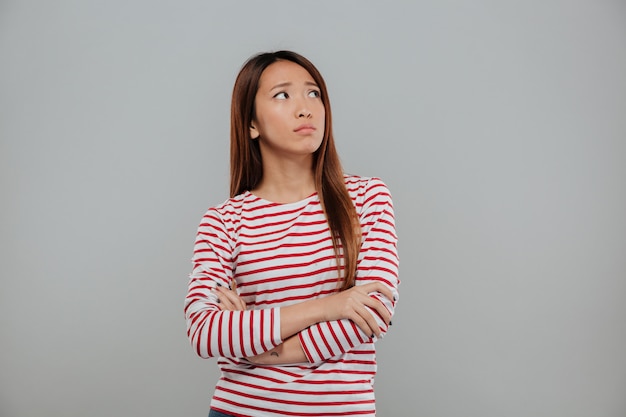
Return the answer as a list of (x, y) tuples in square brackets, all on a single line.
[(308, 346)]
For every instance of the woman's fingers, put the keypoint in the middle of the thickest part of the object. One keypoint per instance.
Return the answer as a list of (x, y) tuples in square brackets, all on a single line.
[(367, 322), (358, 306), (229, 299), (377, 287), (363, 320), (361, 294), (239, 302), (379, 307)]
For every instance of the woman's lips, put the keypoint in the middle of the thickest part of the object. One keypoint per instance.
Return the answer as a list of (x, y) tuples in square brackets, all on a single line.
[(306, 128)]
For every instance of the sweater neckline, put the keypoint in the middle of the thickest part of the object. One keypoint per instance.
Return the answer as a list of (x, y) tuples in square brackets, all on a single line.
[(305, 200)]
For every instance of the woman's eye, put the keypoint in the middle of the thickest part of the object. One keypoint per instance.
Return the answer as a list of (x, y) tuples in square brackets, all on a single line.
[(314, 94), (281, 96)]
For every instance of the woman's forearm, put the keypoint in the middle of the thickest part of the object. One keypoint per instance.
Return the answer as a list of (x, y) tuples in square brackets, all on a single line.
[(293, 318), (348, 304), (289, 352), (355, 304), (297, 317)]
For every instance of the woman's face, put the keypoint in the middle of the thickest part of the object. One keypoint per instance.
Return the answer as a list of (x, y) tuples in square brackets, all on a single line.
[(289, 114)]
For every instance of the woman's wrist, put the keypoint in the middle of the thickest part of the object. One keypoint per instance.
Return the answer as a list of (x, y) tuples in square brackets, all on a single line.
[(289, 352), (297, 317)]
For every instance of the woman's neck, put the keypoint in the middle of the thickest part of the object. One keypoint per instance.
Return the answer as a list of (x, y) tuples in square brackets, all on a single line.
[(286, 182)]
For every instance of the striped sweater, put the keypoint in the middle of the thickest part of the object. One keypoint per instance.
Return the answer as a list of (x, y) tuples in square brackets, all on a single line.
[(281, 254)]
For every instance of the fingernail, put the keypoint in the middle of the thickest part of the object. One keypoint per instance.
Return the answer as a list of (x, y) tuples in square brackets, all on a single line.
[(390, 323), (219, 285), (373, 335)]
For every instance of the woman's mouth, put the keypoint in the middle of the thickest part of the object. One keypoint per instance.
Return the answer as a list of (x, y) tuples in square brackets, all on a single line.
[(305, 128)]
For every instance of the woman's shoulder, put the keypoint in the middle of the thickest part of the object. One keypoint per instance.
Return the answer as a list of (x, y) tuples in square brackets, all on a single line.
[(357, 184), (228, 211), (242, 206)]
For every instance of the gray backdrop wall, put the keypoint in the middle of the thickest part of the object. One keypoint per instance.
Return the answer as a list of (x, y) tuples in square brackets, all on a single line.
[(500, 128)]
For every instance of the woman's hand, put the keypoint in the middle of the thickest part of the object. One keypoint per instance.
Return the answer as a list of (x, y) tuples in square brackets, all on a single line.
[(351, 304), (229, 299)]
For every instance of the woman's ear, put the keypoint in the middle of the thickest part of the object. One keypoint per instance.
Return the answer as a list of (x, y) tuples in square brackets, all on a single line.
[(254, 133)]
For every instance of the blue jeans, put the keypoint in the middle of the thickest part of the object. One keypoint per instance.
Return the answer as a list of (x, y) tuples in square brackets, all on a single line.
[(214, 413)]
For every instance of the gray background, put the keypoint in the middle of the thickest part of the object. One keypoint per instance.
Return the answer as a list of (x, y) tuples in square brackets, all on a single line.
[(499, 126)]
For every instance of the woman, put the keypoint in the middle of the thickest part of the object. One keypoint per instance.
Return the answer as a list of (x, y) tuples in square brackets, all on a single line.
[(295, 276)]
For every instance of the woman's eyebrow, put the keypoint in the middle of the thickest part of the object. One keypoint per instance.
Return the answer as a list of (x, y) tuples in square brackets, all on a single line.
[(281, 85), (289, 83)]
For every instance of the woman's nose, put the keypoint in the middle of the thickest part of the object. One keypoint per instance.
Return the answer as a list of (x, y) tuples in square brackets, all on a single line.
[(304, 113), (302, 109)]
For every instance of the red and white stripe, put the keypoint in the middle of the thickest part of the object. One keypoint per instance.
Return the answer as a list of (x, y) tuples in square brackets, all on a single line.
[(281, 254)]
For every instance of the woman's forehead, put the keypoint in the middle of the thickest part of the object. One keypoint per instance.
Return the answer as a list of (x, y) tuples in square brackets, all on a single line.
[(283, 72)]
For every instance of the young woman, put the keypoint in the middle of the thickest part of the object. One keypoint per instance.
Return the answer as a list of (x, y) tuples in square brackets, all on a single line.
[(295, 276)]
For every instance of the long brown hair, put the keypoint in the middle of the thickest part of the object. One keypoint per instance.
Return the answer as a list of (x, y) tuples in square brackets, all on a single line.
[(246, 168)]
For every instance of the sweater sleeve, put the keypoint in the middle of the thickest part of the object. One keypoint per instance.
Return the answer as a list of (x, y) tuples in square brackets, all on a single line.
[(377, 262), (213, 332)]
